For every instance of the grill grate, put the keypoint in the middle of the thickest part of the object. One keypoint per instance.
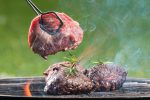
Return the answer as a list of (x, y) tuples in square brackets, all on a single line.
[(133, 88)]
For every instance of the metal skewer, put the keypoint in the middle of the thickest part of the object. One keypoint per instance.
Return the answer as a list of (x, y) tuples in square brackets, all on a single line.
[(39, 12), (34, 7)]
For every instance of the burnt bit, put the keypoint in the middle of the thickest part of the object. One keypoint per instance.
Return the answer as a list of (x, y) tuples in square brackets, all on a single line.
[(106, 77)]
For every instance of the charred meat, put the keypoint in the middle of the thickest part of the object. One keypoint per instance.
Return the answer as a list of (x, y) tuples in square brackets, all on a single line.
[(47, 36), (106, 77), (60, 82)]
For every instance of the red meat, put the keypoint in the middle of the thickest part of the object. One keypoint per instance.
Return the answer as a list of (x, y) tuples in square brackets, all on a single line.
[(68, 37)]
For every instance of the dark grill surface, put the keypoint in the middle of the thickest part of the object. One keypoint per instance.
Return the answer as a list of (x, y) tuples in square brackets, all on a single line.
[(13, 87)]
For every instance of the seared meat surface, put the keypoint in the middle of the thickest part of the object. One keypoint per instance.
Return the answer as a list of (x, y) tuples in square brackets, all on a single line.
[(102, 77), (44, 43), (107, 77), (58, 82)]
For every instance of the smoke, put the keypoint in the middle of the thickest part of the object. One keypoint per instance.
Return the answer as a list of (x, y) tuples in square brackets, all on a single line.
[(114, 30), (87, 26), (129, 56), (5, 75)]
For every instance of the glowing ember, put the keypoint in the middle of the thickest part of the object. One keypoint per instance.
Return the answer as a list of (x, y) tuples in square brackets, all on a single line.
[(27, 89)]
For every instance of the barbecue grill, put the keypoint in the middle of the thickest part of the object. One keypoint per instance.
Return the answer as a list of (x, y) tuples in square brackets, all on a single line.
[(11, 88)]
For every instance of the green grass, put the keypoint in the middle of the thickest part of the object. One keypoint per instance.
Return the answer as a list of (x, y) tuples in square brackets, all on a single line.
[(115, 30)]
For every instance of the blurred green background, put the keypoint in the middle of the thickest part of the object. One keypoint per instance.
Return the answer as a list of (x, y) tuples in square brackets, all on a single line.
[(114, 30)]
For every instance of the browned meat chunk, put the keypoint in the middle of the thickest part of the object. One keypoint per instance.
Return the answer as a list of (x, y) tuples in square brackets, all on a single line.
[(58, 82), (107, 77)]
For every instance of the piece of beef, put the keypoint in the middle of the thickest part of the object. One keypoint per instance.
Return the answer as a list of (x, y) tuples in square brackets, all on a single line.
[(43, 43), (58, 82), (107, 77)]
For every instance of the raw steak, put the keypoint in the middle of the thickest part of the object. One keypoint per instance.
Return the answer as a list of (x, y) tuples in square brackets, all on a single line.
[(44, 43)]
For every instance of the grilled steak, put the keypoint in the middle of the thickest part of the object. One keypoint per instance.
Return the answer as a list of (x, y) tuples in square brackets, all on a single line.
[(58, 82), (44, 43), (107, 77)]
